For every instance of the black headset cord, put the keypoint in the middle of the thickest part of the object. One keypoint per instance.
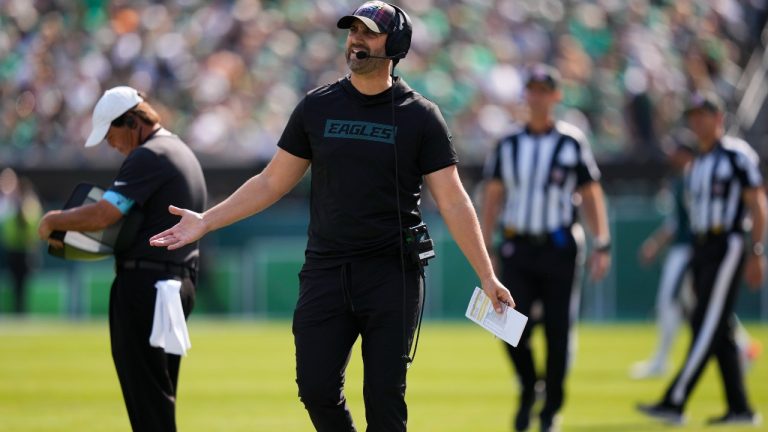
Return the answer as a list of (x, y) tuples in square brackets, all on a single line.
[(407, 356)]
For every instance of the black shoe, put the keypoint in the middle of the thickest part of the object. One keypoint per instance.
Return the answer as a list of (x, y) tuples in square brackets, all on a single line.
[(522, 419), (548, 423), (523, 416), (732, 418), (664, 413)]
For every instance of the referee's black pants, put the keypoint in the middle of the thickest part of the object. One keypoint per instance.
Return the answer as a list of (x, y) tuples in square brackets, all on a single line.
[(336, 305), (148, 376), (717, 269), (542, 270)]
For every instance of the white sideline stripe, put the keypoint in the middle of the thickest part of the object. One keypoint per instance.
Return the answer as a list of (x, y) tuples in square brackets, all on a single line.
[(712, 317)]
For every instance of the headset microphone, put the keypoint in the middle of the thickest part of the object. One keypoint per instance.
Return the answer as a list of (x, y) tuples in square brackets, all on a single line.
[(362, 55)]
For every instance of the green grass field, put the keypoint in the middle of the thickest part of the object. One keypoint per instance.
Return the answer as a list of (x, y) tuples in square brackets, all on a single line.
[(239, 376)]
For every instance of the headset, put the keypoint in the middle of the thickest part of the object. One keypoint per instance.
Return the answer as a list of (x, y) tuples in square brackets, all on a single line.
[(396, 47), (399, 37), (130, 121)]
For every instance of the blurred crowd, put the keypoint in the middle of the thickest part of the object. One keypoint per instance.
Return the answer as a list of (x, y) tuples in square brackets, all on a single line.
[(227, 73)]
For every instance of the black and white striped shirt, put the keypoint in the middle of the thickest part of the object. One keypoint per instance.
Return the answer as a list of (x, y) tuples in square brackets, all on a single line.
[(715, 183), (540, 174)]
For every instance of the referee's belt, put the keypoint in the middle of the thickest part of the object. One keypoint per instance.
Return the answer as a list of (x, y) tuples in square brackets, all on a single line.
[(711, 234), (184, 271), (511, 233)]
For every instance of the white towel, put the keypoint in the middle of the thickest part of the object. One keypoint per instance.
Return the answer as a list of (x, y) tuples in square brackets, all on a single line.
[(169, 328)]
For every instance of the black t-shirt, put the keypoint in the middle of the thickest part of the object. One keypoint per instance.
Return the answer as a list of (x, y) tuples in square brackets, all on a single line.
[(349, 139), (161, 172)]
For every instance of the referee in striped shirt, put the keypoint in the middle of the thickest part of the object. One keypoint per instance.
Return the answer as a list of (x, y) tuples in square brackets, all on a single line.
[(723, 187), (534, 180)]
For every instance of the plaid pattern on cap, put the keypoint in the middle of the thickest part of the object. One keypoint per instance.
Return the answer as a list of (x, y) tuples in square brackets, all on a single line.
[(377, 16)]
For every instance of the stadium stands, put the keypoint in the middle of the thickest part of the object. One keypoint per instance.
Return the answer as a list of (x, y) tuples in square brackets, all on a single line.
[(227, 73)]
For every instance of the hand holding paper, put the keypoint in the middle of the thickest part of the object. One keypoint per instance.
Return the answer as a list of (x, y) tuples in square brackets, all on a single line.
[(507, 325), (497, 294)]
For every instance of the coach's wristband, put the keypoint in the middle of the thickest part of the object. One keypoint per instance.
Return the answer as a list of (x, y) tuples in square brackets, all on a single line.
[(758, 249)]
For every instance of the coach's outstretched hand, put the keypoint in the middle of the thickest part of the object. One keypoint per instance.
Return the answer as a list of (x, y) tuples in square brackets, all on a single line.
[(497, 293), (189, 229)]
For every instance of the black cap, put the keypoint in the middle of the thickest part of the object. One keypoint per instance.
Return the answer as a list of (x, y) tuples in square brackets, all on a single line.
[(545, 74), (704, 100), (679, 139)]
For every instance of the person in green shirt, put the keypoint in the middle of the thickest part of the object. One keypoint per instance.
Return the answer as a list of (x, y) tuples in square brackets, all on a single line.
[(18, 233)]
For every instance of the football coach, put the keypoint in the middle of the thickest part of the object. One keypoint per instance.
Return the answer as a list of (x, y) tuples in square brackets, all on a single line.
[(372, 142)]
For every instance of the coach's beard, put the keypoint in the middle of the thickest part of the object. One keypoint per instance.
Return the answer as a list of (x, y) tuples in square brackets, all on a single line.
[(366, 65)]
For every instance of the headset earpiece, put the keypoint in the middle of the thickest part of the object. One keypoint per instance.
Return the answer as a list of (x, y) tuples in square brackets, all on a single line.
[(130, 121), (399, 38)]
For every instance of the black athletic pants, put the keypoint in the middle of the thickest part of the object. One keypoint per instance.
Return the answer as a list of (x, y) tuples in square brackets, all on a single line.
[(336, 305), (717, 269), (148, 376), (540, 269)]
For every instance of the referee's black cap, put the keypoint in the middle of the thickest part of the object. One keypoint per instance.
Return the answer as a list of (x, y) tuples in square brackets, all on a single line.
[(704, 100), (544, 74), (680, 138)]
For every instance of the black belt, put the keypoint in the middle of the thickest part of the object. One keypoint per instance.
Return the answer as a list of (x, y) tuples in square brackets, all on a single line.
[(535, 239), (162, 266), (539, 239), (703, 237)]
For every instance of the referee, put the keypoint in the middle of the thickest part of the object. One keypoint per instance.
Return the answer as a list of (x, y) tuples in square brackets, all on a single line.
[(533, 179), (724, 186)]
